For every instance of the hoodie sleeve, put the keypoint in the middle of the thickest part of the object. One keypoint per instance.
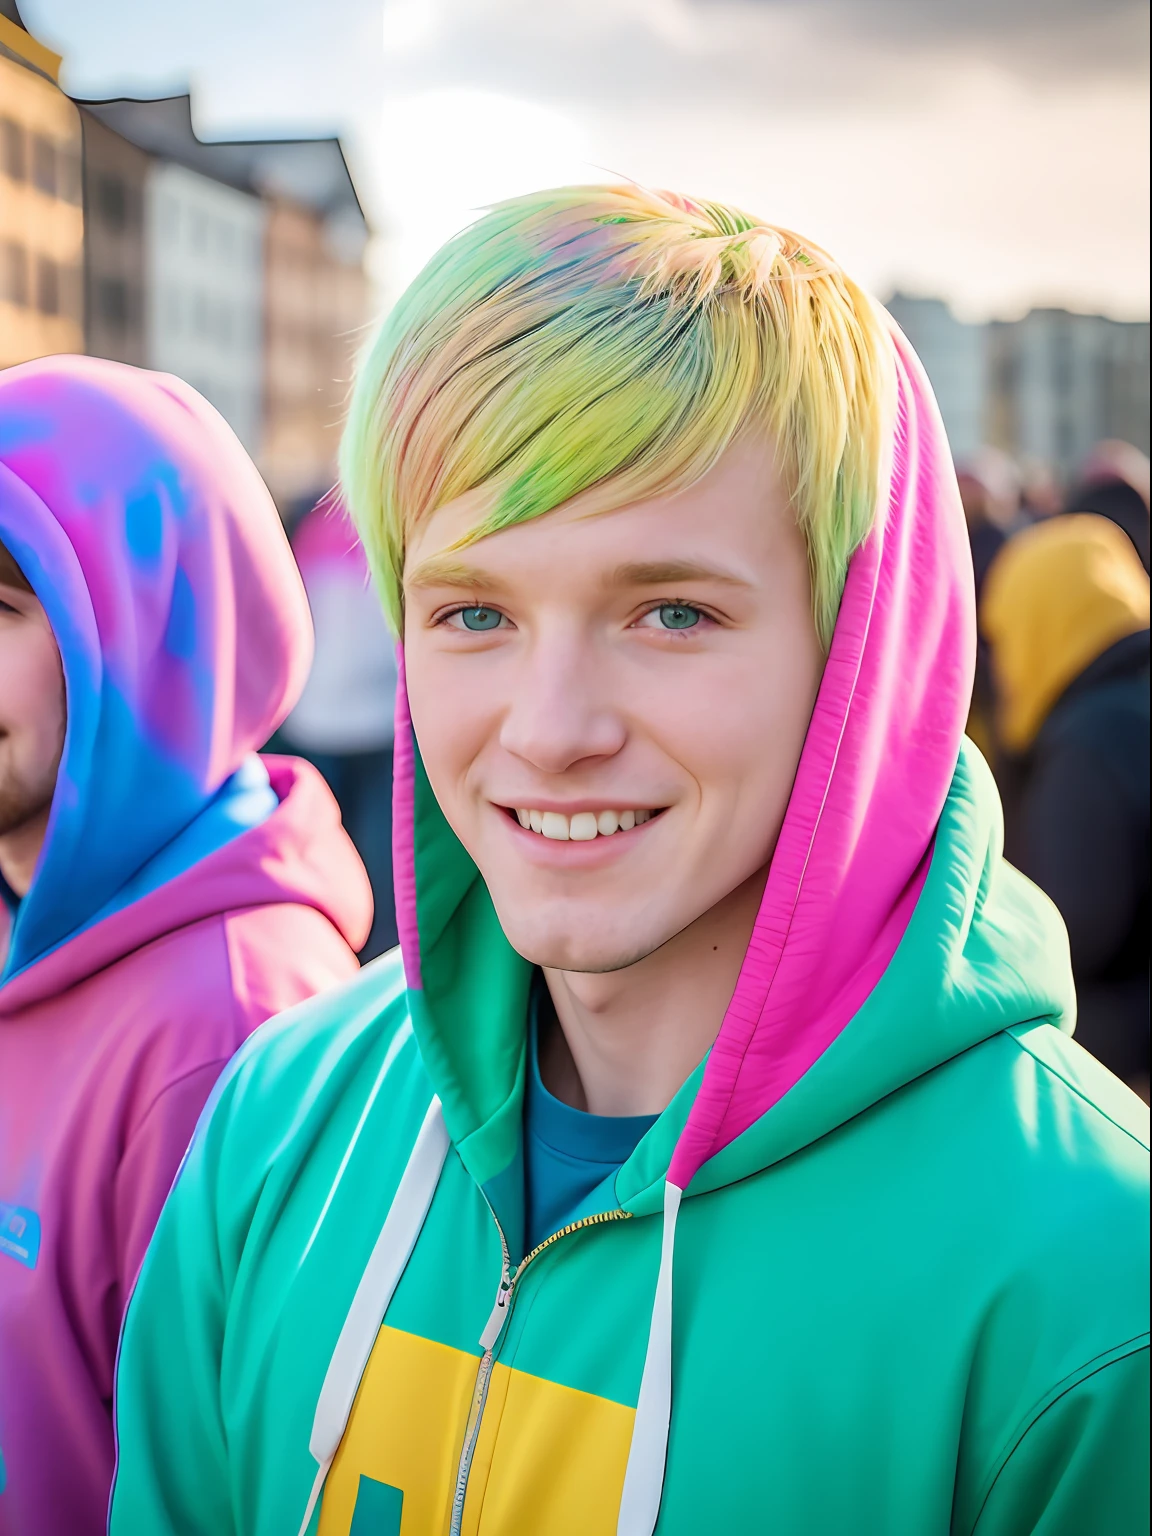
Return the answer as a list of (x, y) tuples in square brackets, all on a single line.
[(1082, 1463), (172, 1466)]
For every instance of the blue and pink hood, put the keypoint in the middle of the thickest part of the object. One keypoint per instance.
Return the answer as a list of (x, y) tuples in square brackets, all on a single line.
[(184, 632)]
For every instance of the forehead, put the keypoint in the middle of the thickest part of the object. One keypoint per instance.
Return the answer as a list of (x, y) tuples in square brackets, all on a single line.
[(733, 517)]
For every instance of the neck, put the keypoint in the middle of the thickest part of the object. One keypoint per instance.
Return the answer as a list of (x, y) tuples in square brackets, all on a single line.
[(628, 1039), (20, 849)]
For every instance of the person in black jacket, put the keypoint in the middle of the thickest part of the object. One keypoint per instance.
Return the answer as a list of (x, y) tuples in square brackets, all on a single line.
[(1066, 611)]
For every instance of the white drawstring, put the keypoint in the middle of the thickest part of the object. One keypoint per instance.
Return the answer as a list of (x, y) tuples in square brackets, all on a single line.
[(380, 1278), (644, 1478)]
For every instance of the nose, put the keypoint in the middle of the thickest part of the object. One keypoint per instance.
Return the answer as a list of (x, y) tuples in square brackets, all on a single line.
[(563, 710)]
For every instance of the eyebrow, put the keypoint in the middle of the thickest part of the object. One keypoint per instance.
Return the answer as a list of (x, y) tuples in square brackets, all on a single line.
[(445, 571), (669, 573)]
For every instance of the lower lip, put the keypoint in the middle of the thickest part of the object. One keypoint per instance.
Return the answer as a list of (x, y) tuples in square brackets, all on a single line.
[(555, 852)]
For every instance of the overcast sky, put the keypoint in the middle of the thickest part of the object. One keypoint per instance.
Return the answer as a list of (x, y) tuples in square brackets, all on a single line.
[(992, 151)]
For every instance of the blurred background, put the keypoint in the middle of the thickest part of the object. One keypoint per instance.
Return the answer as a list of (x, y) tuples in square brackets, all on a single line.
[(231, 190), (234, 191)]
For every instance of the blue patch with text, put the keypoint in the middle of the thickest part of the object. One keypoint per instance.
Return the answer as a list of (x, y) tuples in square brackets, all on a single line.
[(20, 1234)]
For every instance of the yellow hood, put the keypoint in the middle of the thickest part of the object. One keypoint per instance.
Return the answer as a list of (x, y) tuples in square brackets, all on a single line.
[(1057, 596)]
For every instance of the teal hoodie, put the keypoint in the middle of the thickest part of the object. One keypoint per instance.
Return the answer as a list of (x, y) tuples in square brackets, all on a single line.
[(880, 1267)]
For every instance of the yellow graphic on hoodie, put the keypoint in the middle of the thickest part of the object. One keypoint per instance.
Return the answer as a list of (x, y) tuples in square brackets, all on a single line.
[(549, 1460)]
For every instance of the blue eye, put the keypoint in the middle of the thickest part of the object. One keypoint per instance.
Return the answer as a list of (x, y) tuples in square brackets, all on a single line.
[(480, 618), (678, 616)]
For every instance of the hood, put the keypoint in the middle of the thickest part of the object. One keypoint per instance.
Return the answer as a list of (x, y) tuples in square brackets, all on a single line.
[(891, 937), (149, 537), (881, 764), (1059, 595)]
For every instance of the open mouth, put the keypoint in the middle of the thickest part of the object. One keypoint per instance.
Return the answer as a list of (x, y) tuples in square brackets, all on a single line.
[(581, 826)]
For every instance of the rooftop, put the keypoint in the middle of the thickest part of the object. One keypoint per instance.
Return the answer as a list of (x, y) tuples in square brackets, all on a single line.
[(313, 172)]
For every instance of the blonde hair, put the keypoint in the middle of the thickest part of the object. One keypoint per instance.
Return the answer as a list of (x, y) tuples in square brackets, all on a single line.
[(617, 340)]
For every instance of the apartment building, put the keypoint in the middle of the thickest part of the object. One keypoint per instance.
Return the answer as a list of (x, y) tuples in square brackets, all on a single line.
[(175, 261), (1059, 382), (41, 213), (252, 279), (204, 260), (115, 274), (1043, 388), (316, 309), (953, 355)]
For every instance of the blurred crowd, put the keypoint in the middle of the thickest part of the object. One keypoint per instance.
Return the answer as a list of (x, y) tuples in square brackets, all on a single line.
[(1061, 710), (343, 723)]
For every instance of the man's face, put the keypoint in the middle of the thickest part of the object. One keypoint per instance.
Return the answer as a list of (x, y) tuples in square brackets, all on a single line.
[(651, 669), (32, 710)]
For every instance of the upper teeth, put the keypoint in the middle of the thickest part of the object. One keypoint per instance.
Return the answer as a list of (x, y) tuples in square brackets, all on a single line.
[(582, 826)]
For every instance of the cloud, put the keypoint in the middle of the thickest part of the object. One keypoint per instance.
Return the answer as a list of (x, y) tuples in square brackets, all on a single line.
[(954, 153), (1032, 37), (761, 52)]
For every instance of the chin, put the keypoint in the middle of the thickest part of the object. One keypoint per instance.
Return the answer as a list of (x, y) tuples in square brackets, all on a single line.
[(593, 945)]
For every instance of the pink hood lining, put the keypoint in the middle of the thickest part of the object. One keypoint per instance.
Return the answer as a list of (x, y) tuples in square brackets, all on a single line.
[(404, 830), (873, 777)]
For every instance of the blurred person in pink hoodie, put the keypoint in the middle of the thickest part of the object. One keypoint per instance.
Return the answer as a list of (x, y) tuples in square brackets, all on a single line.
[(164, 889)]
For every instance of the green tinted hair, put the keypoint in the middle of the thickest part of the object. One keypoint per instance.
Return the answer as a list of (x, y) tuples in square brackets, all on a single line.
[(614, 341)]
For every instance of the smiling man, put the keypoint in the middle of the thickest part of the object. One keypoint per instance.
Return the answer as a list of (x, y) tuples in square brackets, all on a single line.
[(714, 1157)]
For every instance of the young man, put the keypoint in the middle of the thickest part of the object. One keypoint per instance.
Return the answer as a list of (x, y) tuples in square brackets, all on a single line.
[(717, 1159), (164, 889)]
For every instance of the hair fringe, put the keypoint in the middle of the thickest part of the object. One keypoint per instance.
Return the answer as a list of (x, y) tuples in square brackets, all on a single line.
[(618, 339)]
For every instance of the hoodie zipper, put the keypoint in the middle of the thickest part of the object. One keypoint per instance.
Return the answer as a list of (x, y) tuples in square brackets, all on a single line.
[(489, 1339)]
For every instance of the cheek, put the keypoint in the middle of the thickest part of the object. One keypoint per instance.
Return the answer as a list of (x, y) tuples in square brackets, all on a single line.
[(450, 719), (739, 730), (32, 698)]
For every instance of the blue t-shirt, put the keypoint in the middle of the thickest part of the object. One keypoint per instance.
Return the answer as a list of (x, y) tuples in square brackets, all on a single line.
[(568, 1154)]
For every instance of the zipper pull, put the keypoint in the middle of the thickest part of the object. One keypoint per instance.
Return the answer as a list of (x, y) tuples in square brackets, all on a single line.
[(499, 1313)]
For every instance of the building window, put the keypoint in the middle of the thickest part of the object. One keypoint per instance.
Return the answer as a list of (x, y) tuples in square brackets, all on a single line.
[(44, 164), (47, 286), (112, 301), (69, 175), (13, 273), (172, 310), (13, 150), (1062, 361), (199, 230), (170, 219), (201, 323), (112, 201)]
